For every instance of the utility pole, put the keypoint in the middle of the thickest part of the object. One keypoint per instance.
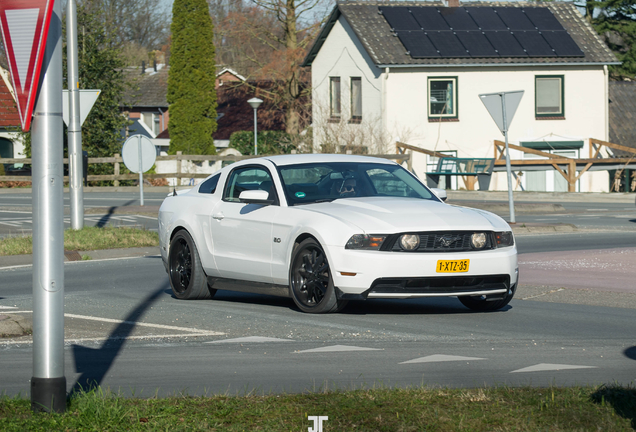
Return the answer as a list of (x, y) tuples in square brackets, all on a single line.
[(75, 159), (48, 384)]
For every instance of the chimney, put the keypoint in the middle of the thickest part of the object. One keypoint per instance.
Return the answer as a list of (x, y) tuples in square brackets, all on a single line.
[(453, 3), (143, 67)]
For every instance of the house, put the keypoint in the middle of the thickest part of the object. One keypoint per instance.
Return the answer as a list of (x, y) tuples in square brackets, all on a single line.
[(10, 144), (413, 71)]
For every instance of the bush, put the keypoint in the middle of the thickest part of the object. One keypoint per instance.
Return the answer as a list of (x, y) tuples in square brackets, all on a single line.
[(269, 142)]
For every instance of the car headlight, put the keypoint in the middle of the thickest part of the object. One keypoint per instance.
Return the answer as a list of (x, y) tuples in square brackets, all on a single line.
[(478, 240), (504, 239), (365, 242), (409, 242)]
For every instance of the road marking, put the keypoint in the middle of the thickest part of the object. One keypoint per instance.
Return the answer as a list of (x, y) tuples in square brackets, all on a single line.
[(8, 307), (147, 217), (162, 326), (13, 224), (250, 339), (441, 358), (15, 211), (339, 348), (551, 367), (542, 294)]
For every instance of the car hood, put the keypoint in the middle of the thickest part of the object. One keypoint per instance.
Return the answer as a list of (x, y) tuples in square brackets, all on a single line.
[(391, 215)]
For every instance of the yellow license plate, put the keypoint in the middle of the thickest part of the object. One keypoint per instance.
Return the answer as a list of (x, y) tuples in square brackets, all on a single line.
[(452, 266)]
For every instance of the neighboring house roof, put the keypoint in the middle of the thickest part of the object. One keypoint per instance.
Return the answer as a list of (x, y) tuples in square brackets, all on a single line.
[(386, 50), (9, 116), (150, 89), (622, 113)]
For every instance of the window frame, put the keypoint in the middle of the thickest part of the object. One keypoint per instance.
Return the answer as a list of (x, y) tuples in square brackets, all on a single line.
[(355, 118), (228, 182), (437, 117), (561, 114), (332, 114)]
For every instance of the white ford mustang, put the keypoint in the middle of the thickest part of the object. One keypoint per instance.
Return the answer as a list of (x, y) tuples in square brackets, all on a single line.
[(324, 229)]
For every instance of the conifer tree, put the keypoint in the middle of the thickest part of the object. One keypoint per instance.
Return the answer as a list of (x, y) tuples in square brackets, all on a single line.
[(191, 79)]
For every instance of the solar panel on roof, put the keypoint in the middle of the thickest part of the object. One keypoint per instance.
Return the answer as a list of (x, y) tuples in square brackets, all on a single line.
[(505, 44), (476, 43), (447, 44), (457, 18), (563, 44), (514, 18), (534, 44), (417, 44), (543, 19), (486, 18), (399, 18), (429, 18)]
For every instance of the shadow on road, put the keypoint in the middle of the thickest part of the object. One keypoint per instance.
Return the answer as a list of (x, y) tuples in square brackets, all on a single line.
[(630, 353), (104, 220), (93, 364)]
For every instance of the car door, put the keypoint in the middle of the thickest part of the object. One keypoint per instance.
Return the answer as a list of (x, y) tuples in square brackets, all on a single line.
[(242, 233)]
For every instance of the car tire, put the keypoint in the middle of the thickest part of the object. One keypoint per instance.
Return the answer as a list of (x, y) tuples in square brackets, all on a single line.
[(310, 280), (478, 304), (187, 278)]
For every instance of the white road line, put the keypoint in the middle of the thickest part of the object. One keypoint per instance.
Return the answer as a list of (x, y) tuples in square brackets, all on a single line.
[(250, 339), (147, 217), (441, 358), (8, 307), (551, 367), (338, 348), (15, 211), (161, 326), (13, 224)]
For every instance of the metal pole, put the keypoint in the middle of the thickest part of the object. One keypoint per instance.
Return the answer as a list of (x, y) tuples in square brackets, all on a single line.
[(48, 384), (75, 160), (141, 174), (255, 134), (511, 203)]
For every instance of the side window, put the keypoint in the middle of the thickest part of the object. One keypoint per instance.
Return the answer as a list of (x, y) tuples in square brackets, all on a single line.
[(334, 97), (247, 178), (356, 99), (442, 98), (549, 96), (209, 186)]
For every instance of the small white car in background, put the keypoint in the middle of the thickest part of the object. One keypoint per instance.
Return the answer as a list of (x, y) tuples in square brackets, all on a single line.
[(324, 229)]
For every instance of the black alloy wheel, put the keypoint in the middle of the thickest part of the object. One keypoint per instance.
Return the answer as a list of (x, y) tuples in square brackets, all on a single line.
[(187, 278), (310, 278)]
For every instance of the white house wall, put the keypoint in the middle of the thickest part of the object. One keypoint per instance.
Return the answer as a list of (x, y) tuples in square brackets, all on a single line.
[(342, 55), (585, 105)]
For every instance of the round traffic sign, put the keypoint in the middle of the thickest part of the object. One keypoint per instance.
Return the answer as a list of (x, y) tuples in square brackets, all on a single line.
[(139, 153)]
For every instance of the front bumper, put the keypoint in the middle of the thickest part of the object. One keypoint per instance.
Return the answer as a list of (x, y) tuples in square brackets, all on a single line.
[(376, 274)]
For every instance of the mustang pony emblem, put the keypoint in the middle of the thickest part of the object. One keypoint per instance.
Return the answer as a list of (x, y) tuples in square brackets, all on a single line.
[(447, 240)]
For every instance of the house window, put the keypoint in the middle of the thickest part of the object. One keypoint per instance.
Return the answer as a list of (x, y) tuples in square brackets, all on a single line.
[(549, 96), (356, 99), (151, 120), (442, 97), (334, 99)]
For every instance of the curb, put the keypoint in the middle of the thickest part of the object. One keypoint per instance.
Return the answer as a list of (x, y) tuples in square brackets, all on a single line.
[(25, 260)]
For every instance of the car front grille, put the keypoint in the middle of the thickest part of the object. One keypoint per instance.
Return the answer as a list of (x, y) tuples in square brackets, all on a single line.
[(454, 284), (449, 241)]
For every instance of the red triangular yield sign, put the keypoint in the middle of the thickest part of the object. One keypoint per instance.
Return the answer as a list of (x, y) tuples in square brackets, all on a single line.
[(25, 26)]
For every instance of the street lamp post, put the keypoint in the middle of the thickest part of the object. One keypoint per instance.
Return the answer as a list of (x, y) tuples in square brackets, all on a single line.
[(255, 103)]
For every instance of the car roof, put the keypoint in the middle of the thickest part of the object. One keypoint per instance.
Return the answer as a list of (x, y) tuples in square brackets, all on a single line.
[(293, 159)]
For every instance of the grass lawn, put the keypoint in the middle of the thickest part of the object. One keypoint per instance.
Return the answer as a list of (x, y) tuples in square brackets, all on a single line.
[(606, 408), (86, 239)]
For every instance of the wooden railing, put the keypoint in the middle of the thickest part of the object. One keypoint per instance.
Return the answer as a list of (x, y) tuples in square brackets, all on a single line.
[(116, 177)]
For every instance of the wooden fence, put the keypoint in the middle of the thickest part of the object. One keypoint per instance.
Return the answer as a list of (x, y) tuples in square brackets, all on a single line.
[(179, 174)]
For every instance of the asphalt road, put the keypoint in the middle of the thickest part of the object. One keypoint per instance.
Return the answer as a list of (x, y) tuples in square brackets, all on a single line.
[(124, 330)]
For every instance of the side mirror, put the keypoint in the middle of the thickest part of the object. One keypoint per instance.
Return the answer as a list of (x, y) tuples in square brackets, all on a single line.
[(255, 197), (441, 193)]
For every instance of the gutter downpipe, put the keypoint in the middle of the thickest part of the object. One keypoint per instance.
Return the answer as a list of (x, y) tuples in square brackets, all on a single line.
[(606, 101), (383, 107)]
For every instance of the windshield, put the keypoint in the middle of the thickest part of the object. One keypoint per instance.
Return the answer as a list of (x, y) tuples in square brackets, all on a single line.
[(318, 182)]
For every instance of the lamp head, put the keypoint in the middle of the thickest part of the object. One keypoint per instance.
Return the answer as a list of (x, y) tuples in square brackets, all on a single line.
[(255, 102)]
